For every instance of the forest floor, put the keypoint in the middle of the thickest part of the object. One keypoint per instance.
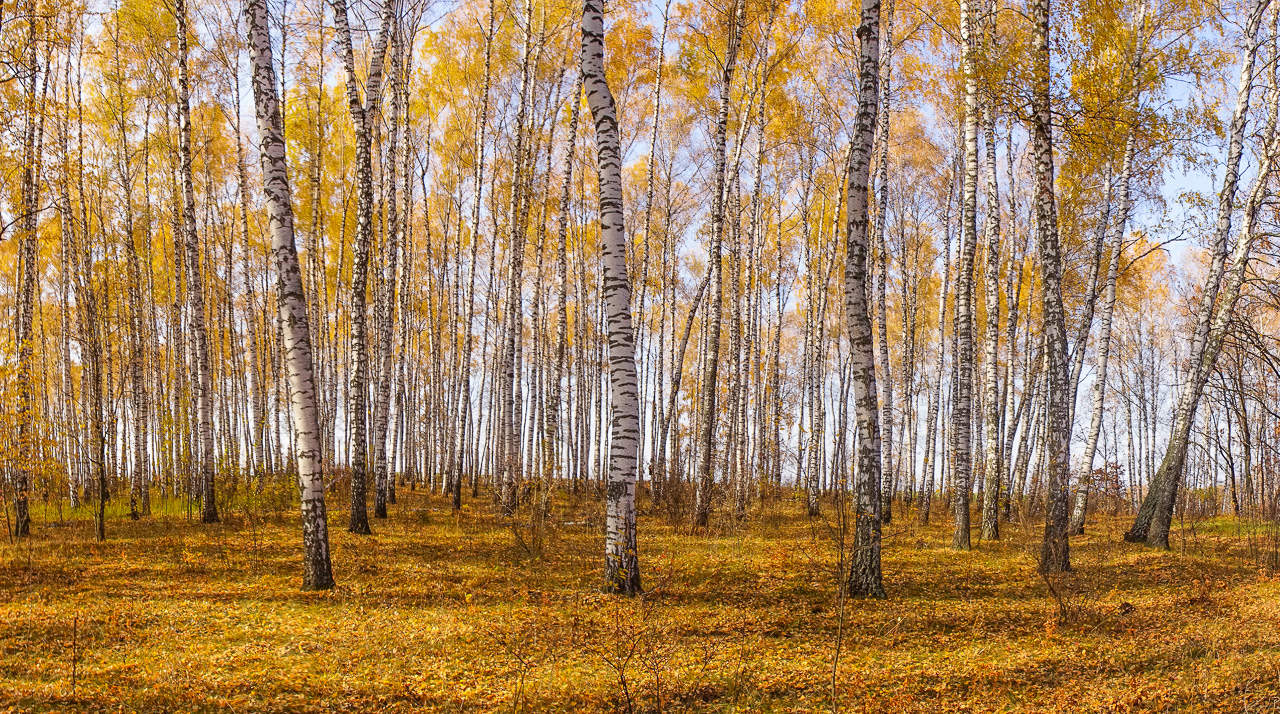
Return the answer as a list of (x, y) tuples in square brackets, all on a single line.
[(444, 613)]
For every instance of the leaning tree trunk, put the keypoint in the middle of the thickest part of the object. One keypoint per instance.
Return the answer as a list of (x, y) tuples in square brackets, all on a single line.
[(1104, 343), (622, 564), (1054, 554), (1234, 281), (864, 571), (1151, 524), (291, 304), (195, 284)]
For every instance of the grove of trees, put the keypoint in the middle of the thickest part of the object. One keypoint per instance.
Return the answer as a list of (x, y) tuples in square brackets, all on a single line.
[(987, 260)]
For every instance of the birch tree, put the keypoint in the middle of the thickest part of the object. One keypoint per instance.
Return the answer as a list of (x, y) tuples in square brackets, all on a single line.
[(1055, 553), (1154, 516), (864, 572), (622, 563), (291, 304), (962, 365), (710, 381), (203, 368), (363, 116)]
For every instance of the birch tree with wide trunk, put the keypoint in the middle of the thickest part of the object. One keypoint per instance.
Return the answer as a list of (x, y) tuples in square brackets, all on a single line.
[(1054, 554), (864, 570), (622, 563), (291, 305)]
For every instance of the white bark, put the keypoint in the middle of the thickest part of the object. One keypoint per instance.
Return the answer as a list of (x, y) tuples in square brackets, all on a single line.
[(622, 564), (1104, 341), (195, 284), (1055, 553), (291, 306), (962, 408), (710, 381), (1152, 522), (864, 573)]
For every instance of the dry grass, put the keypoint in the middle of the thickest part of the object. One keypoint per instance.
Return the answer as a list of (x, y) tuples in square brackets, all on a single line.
[(438, 613)]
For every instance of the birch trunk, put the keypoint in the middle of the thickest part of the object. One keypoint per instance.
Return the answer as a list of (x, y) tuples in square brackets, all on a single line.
[(459, 446), (291, 304), (27, 290), (864, 572), (363, 114), (622, 564), (1152, 522), (991, 460), (195, 284), (932, 427), (962, 406), (385, 305), (882, 323), (1203, 368), (1104, 342), (710, 381), (1055, 553)]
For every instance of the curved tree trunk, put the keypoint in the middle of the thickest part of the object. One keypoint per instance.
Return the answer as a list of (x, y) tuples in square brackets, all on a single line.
[(1152, 522), (622, 564)]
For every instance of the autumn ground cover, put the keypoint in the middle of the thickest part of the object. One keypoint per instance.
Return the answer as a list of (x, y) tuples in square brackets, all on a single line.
[(462, 614)]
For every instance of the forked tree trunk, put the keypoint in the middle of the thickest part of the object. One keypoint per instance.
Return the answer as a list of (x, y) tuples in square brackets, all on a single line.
[(291, 304), (363, 116)]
